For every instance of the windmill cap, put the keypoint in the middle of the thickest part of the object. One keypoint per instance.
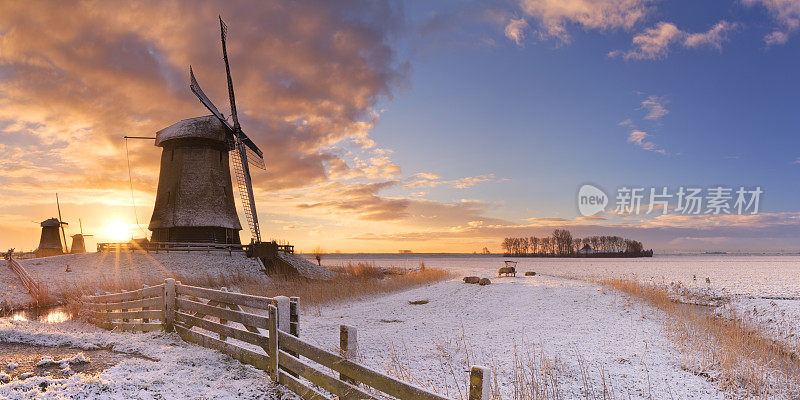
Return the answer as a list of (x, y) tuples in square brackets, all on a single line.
[(51, 222), (208, 127)]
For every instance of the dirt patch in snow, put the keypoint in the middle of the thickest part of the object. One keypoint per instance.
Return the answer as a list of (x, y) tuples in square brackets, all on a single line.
[(22, 361)]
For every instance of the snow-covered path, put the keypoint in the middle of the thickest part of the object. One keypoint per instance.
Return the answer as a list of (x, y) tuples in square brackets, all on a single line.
[(568, 319)]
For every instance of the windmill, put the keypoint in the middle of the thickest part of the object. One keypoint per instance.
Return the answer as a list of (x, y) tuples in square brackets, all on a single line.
[(52, 232), (243, 150), (194, 200), (78, 242)]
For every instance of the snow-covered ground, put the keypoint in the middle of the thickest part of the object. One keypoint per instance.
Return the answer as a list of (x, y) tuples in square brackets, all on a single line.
[(174, 370), (584, 326), (90, 269), (764, 287), (574, 321)]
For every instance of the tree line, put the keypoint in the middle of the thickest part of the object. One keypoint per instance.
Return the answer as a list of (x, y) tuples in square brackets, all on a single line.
[(561, 243)]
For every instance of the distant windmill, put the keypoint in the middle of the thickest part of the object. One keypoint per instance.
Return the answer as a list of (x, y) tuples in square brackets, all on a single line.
[(194, 201), (52, 232), (78, 242)]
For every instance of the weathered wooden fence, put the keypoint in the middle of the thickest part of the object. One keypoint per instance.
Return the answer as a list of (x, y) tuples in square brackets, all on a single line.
[(31, 284), (230, 322)]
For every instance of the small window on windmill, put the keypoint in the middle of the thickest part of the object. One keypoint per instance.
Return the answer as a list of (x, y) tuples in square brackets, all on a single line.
[(168, 197), (220, 157), (172, 155)]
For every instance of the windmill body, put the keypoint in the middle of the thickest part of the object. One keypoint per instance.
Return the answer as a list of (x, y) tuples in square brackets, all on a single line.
[(194, 200), (50, 241)]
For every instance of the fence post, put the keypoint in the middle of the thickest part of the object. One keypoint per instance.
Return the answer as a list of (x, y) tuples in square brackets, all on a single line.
[(223, 321), (284, 312), (125, 309), (348, 347), (479, 380), (145, 320), (169, 304), (294, 316), (273, 342)]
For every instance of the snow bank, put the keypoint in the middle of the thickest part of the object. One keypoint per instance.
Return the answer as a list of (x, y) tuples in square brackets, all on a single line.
[(137, 267), (306, 268), (174, 370)]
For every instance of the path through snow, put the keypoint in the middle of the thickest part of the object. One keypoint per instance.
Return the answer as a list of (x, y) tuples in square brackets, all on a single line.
[(569, 319)]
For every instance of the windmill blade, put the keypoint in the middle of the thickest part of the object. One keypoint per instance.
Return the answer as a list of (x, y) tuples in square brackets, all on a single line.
[(255, 160), (195, 87), (241, 169), (223, 29)]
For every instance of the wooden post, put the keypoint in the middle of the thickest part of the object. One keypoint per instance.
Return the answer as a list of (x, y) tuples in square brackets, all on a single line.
[(223, 321), (348, 347), (145, 320), (273, 342), (124, 309), (479, 381), (294, 316), (169, 304), (284, 312)]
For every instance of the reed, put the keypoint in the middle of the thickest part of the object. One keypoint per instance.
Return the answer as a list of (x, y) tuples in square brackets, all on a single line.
[(740, 355)]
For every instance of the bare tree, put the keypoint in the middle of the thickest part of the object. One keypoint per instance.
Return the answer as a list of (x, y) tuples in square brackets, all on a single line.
[(318, 253)]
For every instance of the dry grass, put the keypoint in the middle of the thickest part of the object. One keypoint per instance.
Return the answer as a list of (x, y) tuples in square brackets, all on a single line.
[(739, 355), (533, 375), (354, 281)]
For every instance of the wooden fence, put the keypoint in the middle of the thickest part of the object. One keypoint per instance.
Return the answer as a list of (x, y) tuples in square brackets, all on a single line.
[(31, 284), (231, 323), (181, 246)]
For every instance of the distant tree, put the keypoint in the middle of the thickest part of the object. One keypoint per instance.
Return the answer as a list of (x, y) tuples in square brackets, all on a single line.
[(318, 253)]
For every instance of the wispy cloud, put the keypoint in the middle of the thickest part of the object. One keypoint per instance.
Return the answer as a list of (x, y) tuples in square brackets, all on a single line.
[(654, 107), (553, 16), (714, 37), (640, 138), (786, 13), (656, 42), (515, 30)]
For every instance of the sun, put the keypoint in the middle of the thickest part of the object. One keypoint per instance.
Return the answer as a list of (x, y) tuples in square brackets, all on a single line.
[(117, 231)]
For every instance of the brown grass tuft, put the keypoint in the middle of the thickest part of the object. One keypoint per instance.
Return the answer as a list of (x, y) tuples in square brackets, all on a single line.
[(741, 356)]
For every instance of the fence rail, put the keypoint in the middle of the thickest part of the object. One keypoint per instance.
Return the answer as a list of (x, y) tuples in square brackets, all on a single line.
[(181, 246), (31, 284), (262, 332)]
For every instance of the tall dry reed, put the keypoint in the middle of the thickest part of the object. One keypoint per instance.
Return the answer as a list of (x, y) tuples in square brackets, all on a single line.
[(740, 355)]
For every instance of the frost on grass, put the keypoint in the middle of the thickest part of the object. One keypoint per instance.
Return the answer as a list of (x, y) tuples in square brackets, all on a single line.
[(173, 368)]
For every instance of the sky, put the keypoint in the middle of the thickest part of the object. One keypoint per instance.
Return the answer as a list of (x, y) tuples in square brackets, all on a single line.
[(432, 126)]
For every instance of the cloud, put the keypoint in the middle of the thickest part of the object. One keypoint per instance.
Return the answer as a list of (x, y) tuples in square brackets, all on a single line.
[(655, 108), (78, 77), (640, 138), (515, 30), (656, 42), (433, 180), (653, 43), (785, 12), (554, 15), (714, 37)]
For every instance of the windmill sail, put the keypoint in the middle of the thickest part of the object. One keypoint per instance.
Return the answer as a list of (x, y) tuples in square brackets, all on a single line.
[(244, 151)]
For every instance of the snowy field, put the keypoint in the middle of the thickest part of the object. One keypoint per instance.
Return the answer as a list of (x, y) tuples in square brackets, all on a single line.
[(167, 368), (765, 288), (588, 330), (579, 323), (126, 267)]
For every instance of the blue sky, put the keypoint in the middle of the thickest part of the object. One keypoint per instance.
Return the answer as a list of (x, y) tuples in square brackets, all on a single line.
[(546, 115), (422, 125)]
